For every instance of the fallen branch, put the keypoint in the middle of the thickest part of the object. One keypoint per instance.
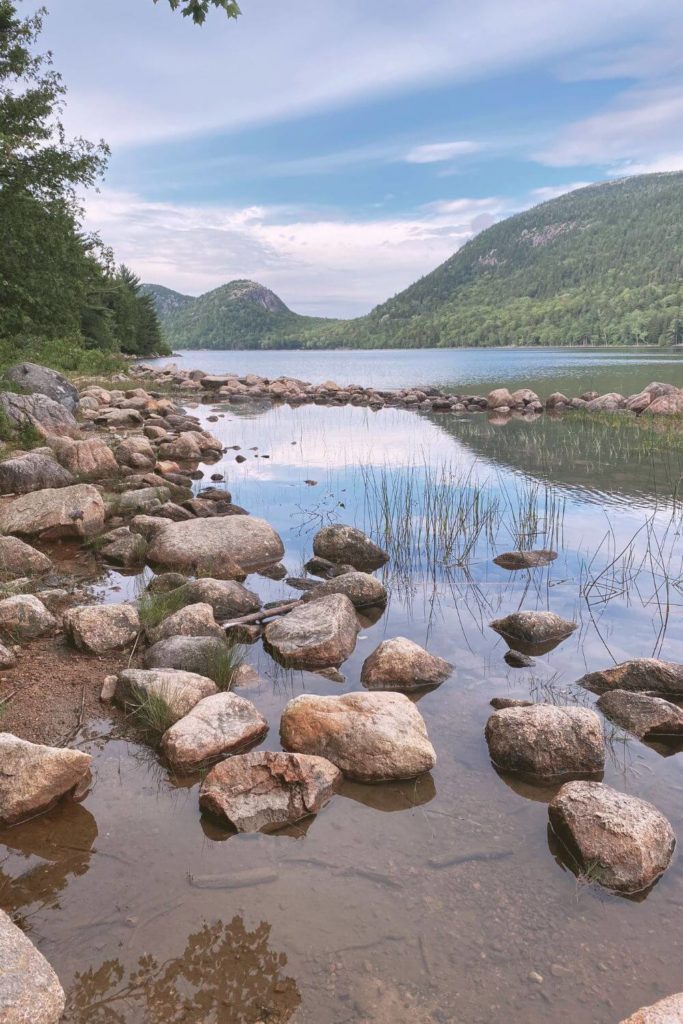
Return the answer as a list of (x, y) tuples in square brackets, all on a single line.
[(261, 616)]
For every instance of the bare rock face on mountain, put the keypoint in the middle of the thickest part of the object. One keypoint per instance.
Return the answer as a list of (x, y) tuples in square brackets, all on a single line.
[(216, 727), (622, 842), (30, 992), (32, 472), (266, 790), (223, 546), (546, 741), (371, 737), (39, 411), (664, 1011), (35, 379), (524, 559), (345, 544), (533, 632), (19, 559), (101, 628), (76, 511), (180, 690), (314, 635), (665, 677), (642, 714), (34, 777), (401, 664), (362, 590)]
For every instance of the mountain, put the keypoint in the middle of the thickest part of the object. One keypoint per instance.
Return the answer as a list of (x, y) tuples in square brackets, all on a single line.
[(166, 301)]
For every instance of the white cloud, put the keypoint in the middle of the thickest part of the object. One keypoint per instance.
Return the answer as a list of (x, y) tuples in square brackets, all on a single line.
[(436, 152), (330, 267)]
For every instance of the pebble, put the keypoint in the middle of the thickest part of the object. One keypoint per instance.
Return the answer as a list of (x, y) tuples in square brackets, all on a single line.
[(535, 977)]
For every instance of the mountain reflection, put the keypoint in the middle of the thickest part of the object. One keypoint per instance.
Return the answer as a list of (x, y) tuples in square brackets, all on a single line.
[(226, 974)]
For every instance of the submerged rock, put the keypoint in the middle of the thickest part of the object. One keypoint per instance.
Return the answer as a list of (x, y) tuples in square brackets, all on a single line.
[(34, 777), (192, 620), (326, 569), (400, 664), (533, 632), (36, 379), (101, 628), (664, 677), (525, 559), (76, 511), (200, 654), (642, 714), (30, 992), (499, 703), (362, 590), (338, 543), (620, 841), (266, 790), (32, 472), (25, 617), (218, 726), (546, 741), (664, 1011), (371, 737), (314, 635), (225, 547), (516, 659), (180, 690), (19, 559)]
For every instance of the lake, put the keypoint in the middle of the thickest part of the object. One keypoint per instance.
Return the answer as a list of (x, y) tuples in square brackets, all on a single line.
[(441, 900)]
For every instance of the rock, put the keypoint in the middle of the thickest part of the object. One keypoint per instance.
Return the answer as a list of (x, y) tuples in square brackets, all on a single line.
[(641, 714), (243, 634), (606, 403), (139, 501), (525, 396), (192, 620), (184, 448), (338, 543), (35, 777), (39, 411), (266, 790), (165, 583), (216, 727), (179, 689), (546, 741), (324, 568), (36, 379), (371, 737), (524, 559), (32, 472), (136, 452), (666, 405), (620, 841), (400, 664), (664, 677), (223, 546), (24, 617), (108, 689), (555, 400), (87, 460), (500, 399), (500, 703), (533, 632), (197, 654), (314, 635), (20, 559), (7, 658), (76, 511), (664, 1011), (99, 628), (518, 660), (362, 590), (148, 526), (30, 992), (123, 547), (119, 419), (228, 598)]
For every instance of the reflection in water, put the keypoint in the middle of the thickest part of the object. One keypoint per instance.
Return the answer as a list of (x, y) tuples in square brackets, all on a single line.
[(226, 974), (392, 796)]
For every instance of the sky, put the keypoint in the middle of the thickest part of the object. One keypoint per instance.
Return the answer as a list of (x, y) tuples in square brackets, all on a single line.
[(337, 150)]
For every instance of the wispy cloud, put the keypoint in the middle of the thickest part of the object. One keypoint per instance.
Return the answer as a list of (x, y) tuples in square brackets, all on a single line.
[(437, 152)]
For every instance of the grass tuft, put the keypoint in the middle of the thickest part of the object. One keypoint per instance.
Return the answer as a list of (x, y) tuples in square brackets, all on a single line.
[(153, 608), (152, 713), (223, 664)]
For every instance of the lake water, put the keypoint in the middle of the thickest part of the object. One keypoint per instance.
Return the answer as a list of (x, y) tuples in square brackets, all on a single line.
[(461, 370), (424, 902)]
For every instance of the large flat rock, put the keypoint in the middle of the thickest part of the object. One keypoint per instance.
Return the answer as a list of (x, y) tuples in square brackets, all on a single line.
[(221, 546), (216, 727), (34, 378), (34, 777), (30, 992), (665, 677), (76, 511), (316, 635), (32, 471)]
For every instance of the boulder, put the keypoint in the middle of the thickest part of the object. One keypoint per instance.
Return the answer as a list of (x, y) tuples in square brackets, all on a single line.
[(371, 737), (524, 559), (99, 628), (192, 620), (338, 543), (186, 447), (620, 841), (39, 411), (314, 635), (546, 741), (91, 459), (76, 511), (324, 568), (223, 546), (606, 403), (148, 526), (180, 690), (362, 590), (121, 547), (266, 790), (30, 992), (500, 398), (36, 379), (216, 727), (666, 405), (228, 598), (197, 654), (643, 715), (119, 419), (32, 472), (135, 452), (24, 617), (533, 632), (138, 501), (400, 664), (664, 1011), (557, 399), (35, 777), (7, 658), (20, 559), (525, 396), (165, 582), (665, 677)]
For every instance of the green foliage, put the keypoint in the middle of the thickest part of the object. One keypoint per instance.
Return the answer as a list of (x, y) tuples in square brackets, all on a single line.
[(198, 9), (152, 713), (29, 437), (153, 608), (223, 663)]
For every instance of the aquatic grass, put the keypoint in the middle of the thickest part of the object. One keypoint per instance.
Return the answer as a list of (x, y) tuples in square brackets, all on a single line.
[(154, 607), (152, 713), (222, 664)]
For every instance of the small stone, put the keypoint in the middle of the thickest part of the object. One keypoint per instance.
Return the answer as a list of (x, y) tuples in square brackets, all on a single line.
[(509, 702)]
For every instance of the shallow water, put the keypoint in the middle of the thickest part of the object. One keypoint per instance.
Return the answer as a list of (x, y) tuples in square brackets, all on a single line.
[(424, 901)]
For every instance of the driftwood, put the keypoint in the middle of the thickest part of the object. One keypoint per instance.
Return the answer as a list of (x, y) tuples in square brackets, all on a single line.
[(262, 615)]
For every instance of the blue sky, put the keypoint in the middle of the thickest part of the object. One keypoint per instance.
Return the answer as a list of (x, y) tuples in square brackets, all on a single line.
[(336, 150)]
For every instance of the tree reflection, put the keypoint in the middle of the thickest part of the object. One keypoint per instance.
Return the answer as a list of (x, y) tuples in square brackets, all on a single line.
[(226, 974)]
